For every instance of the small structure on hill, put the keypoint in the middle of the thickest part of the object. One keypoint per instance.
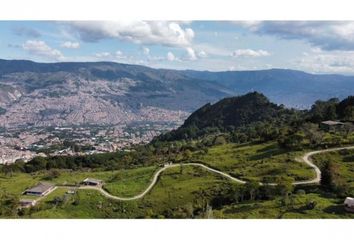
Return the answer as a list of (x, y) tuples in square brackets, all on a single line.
[(27, 203), (41, 189), (331, 125), (349, 204), (92, 182)]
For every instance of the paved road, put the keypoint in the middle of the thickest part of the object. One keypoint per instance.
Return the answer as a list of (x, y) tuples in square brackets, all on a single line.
[(305, 159)]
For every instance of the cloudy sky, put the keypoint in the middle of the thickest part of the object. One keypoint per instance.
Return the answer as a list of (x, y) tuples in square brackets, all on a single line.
[(320, 47)]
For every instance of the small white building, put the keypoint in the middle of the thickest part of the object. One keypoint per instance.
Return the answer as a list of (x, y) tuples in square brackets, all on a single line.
[(27, 203), (92, 182), (349, 204)]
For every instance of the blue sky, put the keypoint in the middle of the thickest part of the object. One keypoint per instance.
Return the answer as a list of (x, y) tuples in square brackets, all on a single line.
[(320, 47)]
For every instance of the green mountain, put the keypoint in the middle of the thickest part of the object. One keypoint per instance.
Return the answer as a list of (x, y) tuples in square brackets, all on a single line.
[(231, 113)]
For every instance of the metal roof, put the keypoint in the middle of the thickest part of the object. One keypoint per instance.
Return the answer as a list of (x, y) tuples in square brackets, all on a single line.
[(40, 187), (332, 122), (93, 180)]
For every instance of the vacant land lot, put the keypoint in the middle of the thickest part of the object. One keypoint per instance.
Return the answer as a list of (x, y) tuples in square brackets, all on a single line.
[(257, 162), (344, 159), (326, 207)]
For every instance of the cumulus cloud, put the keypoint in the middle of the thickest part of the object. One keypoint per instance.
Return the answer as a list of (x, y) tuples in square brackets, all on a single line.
[(41, 49), (170, 56), (103, 54), (146, 51), (191, 53), (202, 54), (327, 61), (110, 56), (328, 35), (27, 32), (143, 32), (69, 44), (249, 53)]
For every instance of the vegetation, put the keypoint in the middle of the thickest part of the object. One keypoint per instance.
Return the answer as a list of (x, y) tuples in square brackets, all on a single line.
[(260, 162), (248, 137), (337, 171)]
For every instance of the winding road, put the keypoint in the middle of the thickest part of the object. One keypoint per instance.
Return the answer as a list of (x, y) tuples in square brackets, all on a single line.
[(305, 159)]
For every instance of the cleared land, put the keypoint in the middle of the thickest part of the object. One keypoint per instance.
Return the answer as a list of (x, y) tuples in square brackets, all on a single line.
[(260, 162), (345, 161)]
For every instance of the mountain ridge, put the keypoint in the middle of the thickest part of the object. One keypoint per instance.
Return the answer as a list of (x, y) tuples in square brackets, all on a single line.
[(64, 93)]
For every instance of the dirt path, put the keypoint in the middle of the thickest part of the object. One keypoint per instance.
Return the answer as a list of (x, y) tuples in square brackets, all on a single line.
[(305, 159)]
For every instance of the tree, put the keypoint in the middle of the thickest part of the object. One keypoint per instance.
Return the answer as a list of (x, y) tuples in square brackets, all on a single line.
[(285, 188), (8, 204), (187, 155), (331, 178), (293, 142), (219, 140), (252, 188)]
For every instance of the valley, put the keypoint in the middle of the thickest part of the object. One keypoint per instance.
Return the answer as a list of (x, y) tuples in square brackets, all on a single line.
[(155, 143)]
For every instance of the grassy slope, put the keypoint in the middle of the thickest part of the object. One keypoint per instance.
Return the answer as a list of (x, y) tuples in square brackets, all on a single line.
[(257, 161), (345, 160), (175, 191), (121, 182), (326, 207), (179, 189)]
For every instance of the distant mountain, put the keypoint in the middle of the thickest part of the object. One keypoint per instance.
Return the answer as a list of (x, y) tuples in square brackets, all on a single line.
[(289, 87), (44, 94)]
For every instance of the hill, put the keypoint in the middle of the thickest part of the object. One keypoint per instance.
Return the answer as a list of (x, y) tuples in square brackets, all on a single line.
[(230, 114)]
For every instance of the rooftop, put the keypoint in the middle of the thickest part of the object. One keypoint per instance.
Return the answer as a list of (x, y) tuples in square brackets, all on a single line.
[(332, 123), (40, 187), (92, 180)]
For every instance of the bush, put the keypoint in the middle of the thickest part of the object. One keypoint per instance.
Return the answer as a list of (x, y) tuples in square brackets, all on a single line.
[(311, 204), (301, 192)]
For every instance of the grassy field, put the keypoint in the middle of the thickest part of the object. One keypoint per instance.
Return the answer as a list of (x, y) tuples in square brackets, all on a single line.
[(345, 160), (177, 191), (123, 183), (256, 162), (187, 191), (326, 207)]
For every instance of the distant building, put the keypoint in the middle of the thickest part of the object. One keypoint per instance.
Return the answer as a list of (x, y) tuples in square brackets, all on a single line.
[(92, 182), (40, 189), (349, 204), (27, 203), (331, 125)]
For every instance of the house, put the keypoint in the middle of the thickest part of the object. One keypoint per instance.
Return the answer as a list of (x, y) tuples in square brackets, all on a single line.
[(27, 203), (349, 204), (40, 189), (331, 125), (92, 182)]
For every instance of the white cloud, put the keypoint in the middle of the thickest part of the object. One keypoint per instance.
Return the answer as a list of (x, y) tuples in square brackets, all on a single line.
[(146, 51), (69, 44), (249, 53), (108, 56), (119, 55), (170, 56), (328, 35), (103, 54), (202, 54), (327, 61), (41, 49), (142, 32), (191, 53)]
